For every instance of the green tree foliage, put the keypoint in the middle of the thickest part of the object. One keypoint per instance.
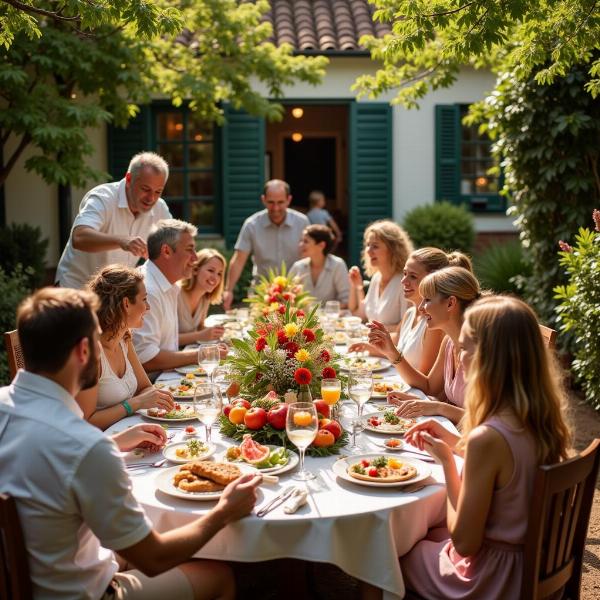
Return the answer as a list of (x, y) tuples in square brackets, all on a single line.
[(502, 267), (23, 244), (92, 62), (432, 39)]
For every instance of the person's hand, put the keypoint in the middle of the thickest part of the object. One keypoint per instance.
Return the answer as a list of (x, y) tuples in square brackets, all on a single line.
[(227, 299), (436, 447), (434, 429), (153, 398), (223, 350), (380, 337), (211, 333), (143, 435), (410, 406), (238, 498), (135, 245), (355, 277), (364, 347)]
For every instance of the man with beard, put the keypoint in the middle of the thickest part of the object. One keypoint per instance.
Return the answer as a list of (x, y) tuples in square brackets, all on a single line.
[(72, 492)]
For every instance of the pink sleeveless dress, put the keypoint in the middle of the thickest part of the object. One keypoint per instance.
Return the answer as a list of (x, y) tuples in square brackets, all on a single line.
[(454, 382), (435, 570)]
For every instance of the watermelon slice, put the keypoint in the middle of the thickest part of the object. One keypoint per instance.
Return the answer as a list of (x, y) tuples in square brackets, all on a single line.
[(253, 452)]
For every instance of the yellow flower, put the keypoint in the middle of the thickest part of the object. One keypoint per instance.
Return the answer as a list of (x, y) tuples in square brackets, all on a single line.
[(302, 355), (280, 280), (291, 329), (274, 306)]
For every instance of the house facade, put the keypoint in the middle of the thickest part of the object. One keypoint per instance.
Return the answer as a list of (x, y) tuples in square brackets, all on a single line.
[(371, 159)]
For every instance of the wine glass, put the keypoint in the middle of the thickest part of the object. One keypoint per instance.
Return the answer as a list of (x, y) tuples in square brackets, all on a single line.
[(360, 389), (208, 403), (221, 376), (331, 390), (332, 310), (301, 426), (209, 357)]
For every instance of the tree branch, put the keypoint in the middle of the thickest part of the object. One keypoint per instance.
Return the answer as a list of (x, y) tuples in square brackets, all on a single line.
[(40, 11), (450, 12)]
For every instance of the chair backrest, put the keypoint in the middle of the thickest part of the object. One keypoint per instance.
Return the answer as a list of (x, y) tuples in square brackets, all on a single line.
[(558, 522), (549, 336), (14, 567), (15, 354)]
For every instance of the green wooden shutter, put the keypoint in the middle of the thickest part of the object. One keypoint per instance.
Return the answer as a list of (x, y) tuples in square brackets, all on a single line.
[(447, 152), (243, 160), (370, 185), (123, 143)]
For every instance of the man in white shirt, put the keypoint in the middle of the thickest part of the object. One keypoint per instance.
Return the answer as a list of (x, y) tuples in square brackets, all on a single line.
[(271, 236), (72, 492), (114, 221), (172, 256)]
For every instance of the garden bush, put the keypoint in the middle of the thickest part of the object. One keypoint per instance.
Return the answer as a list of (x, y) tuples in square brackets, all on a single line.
[(579, 308), (21, 243), (442, 225), (502, 268)]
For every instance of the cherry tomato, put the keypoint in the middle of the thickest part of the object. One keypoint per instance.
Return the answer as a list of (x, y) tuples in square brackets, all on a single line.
[(364, 463), (373, 472)]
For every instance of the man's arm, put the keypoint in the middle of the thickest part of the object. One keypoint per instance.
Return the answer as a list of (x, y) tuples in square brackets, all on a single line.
[(168, 359), (236, 266), (88, 239)]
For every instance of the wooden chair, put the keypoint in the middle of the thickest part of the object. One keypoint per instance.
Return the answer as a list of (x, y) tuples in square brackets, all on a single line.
[(14, 352), (14, 567), (558, 522), (549, 336)]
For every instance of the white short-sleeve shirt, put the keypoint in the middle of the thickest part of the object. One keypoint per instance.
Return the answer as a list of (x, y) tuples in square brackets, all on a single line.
[(332, 283), (73, 495), (106, 210), (271, 244), (160, 330), (388, 307)]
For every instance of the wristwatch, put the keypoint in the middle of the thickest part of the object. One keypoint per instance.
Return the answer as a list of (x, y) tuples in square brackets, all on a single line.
[(398, 359)]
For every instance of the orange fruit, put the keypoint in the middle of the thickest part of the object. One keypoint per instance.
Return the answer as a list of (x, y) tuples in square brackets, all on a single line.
[(302, 418), (237, 414), (324, 439)]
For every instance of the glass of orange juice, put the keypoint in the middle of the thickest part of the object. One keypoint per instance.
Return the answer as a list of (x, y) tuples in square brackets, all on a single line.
[(331, 390)]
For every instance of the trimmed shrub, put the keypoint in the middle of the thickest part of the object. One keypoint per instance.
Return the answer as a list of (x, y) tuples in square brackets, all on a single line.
[(442, 225), (21, 243), (502, 268)]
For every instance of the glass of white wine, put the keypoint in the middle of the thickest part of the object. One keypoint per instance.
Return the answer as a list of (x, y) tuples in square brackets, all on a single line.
[(209, 357), (301, 426), (360, 389), (208, 403)]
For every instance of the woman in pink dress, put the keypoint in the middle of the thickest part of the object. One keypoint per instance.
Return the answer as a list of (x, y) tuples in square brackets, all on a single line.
[(513, 424), (446, 294)]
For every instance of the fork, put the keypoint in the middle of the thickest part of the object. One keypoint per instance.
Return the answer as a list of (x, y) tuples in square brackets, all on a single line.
[(145, 465)]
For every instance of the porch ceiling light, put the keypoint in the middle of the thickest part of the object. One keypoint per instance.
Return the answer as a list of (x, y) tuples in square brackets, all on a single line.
[(481, 181), (297, 112), (297, 136)]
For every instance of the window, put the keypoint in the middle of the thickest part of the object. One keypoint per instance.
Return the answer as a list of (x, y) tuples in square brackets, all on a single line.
[(188, 145), (463, 160)]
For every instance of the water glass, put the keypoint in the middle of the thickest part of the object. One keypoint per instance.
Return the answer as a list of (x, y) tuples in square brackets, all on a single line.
[(332, 309), (208, 403), (360, 389), (209, 357), (301, 426)]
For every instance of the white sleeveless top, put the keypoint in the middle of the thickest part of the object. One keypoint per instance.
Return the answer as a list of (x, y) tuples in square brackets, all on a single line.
[(410, 339), (112, 389), (388, 307)]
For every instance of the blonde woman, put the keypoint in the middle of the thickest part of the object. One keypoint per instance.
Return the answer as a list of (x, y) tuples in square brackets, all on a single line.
[(386, 247), (203, 288), (446, 294), (419, 344), (123, 386), (513, 424)]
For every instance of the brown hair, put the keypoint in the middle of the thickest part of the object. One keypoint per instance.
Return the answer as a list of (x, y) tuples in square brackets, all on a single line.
[(321, 233), (51, 322), (512, 368), (112, 285), (433, 259), (396, 240), (204, 255), (452, 281)]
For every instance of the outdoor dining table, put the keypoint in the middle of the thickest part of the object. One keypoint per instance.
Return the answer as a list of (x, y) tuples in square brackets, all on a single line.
[(360, 529)]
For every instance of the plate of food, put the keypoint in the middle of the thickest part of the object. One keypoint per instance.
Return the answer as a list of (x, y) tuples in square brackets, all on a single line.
[(184, 452), (180, 412), (199, 480), (382, 388), (373, 363), (381, 470), (387, 422), (193, 370), (180, 388), (266, 459)]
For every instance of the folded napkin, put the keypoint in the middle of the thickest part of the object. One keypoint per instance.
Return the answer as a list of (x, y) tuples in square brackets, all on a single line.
[(296, 500)]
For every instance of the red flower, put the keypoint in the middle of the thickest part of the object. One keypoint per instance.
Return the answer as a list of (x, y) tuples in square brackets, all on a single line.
[(273, 299), (302, 376), (260, 344), (291, 348), (262, 331), (286, 296), (282, 338), (300, 313), (328, 373), (325, 356), (281, 309), (309, 335)]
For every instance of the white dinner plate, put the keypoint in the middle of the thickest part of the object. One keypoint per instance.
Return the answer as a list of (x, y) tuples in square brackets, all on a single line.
[(398, 386), (386, 427), (169, 452), (192, 417), (164, 483), (340, 468), (173, 384), (293, 460), (195, 369), (372, 363)]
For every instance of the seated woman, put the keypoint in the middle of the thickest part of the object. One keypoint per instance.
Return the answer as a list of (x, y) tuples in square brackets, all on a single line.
[(386, 247), (123, 386), (323, 275), (513, 424), (203, 288), (446, 293), (419, 344)]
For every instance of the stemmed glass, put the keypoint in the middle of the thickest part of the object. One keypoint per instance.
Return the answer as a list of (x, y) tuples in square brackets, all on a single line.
[(360, 389), (209, 357), (332, 309), (301, 426), (331, 390), (208, 403)]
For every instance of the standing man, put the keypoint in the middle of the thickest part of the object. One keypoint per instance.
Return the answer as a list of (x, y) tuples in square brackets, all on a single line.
[(114, 221), (271, 236), (69, 482)]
